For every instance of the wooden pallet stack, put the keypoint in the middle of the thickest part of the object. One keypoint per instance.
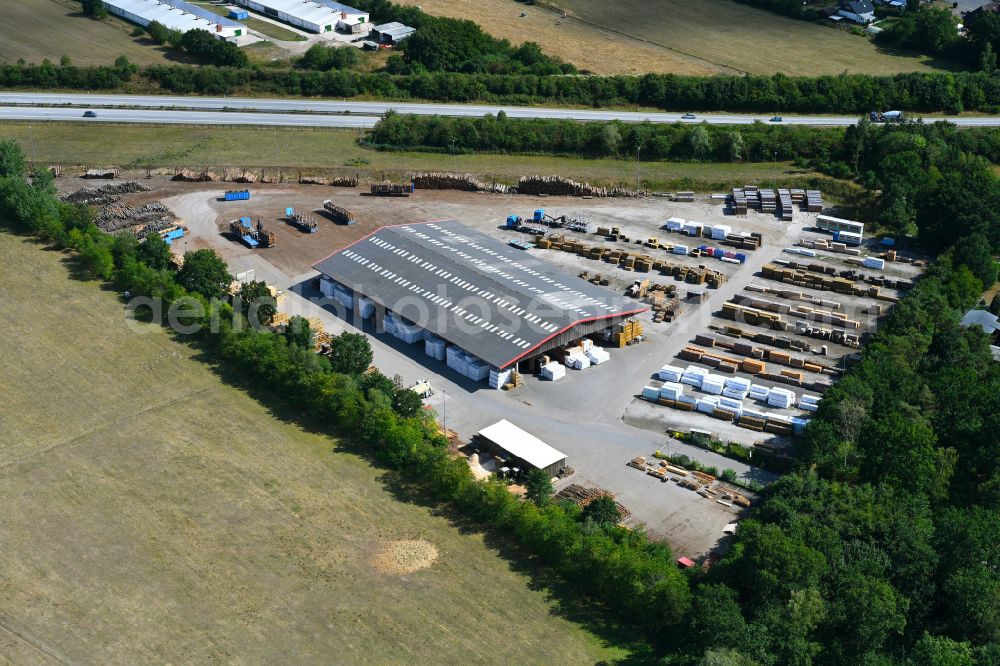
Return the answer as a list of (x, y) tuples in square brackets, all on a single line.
[(814, 201), (785, 206), (738, 200), (768, 201)]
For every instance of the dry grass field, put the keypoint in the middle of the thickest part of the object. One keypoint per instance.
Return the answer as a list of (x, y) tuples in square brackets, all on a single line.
[(39, 29), (313, 150), (154, 514), (680, 36)]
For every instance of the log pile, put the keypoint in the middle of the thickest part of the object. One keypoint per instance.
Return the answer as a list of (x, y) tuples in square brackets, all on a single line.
[(313, 180), (339, 214), (108, 173), (100, 196), (344, 181), (243, 176), (582, 496), (188, 176), (268, 178), (455, 181), (158, 225), (117, 216), (559, 186)]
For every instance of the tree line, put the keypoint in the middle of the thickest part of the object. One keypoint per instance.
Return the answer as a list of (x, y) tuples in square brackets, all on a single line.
[(846, 93), (879, 548)]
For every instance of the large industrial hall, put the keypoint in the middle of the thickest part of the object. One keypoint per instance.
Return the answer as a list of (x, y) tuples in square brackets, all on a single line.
[(474, 301)]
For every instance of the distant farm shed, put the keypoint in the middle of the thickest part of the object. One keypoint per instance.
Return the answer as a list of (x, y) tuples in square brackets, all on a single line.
[(505, 439), (391, 33)]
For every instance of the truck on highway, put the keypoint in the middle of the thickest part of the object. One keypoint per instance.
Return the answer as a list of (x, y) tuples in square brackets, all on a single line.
[(886, 116)]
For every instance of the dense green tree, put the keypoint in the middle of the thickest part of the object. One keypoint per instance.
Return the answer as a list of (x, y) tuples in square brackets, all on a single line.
[(406, 402), (538, 486), (350, 353), (257, 303), (12, 161), (324, 58), (154, 251), (975, 253), (601, 511), (298, 332), (205, 273)]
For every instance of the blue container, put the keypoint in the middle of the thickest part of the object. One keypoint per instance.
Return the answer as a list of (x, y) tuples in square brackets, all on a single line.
[(539, 214), (239, 14), (176, 233), (742, 258), (888, 242), (511, 221), (289, 212)]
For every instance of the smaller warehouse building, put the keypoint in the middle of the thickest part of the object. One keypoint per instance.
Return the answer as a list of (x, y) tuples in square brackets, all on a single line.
[(521, 448), (391, 33), (176, 15), (313, 15)]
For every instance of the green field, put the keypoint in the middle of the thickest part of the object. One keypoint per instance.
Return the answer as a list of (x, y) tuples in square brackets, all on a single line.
[(337, 151), (679, 36), (50, 29), (154, 514)]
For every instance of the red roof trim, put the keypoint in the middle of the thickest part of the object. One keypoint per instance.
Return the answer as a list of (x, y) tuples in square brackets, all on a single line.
[(566, 328)]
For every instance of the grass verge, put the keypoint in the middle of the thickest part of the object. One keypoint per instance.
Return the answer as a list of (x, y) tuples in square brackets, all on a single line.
[(337, 151)]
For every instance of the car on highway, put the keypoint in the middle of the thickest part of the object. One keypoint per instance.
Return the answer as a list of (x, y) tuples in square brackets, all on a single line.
[(688, 116), (89, 114), (776, 119)]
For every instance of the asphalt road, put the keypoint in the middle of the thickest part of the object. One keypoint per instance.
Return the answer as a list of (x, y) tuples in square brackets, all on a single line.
[(175, 117), (263, 111)]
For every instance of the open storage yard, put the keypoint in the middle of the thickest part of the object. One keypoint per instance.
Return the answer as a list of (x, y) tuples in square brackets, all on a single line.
[(596, 416), (697, 38), (161, 515)]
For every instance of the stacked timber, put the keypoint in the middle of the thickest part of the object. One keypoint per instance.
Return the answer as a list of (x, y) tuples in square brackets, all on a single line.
[(313, 180), (559, 186), (188, 176), (108, 173), (118, 216), (100, 196), (344, 181), (455, 181)]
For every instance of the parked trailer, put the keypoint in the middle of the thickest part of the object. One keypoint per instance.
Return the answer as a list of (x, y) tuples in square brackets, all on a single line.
[(306, 224), (340, 215)]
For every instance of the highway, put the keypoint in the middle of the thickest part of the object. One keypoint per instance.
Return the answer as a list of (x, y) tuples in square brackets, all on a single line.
[(299, 112), (177, 117)]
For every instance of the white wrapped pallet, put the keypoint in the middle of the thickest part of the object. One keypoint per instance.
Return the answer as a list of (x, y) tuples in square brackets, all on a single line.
[(692, 228), (408, 333), (553, 371), (874, 262), (650, 393), (781, 398), (366, 308), (707, 405), (586, 344), (326, 286), (720, 231), (693, 375), (755, 414), (688, 399), (577, 362), (670, 373), (675, 224), (435, 348), (671, 391), (735, 394), (598, 355), (680, 249), (808, 406), (809, 399), (758, 392), (713, 384), (478, 370), (500, 377), (738, 383), (389, 324)]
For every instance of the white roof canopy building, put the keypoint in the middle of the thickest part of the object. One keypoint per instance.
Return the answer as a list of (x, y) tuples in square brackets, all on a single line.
[(312, 15), (505, 437), (176, 15)]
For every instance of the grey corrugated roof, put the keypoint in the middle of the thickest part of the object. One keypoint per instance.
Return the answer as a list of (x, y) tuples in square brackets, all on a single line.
[(981, 318), (474, 291)]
